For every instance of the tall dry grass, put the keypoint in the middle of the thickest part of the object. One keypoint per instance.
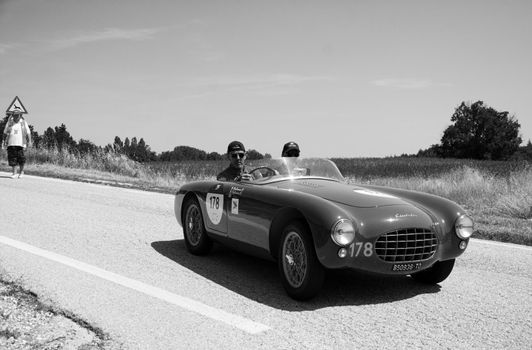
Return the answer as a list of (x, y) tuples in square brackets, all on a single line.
[(98, 160), (106, 166), (475, 189)]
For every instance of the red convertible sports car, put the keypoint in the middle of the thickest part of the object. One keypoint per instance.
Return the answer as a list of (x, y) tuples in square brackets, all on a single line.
[(301, 213)]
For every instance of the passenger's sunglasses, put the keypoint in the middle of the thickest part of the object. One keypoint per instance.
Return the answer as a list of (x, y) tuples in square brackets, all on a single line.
[(292, 153), (237, 155)]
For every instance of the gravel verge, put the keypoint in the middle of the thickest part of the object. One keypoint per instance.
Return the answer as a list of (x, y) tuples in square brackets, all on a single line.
[(27, 323)]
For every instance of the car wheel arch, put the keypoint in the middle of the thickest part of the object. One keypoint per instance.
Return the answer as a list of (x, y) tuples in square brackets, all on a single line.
[(186, 198), (282, 218)]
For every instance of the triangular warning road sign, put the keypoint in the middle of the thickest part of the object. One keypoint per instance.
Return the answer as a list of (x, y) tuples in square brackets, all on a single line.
[(16, 106)]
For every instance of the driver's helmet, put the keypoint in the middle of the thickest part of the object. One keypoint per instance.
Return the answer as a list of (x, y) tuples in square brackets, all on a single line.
[(290, 149)]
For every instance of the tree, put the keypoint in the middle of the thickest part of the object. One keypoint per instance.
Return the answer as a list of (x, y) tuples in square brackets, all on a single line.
[(253, 155), (118, 144), (480, 132), (183, 153), (36, 139), (86, 146), (434, 151), (524, 152), (3, 123), (144, 152), (214, 156), (134, 142), (48, 138), (136, 150), (63, 138)]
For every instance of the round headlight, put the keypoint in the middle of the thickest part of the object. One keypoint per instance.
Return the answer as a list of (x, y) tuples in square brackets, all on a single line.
[(343, 232), (464, 227)]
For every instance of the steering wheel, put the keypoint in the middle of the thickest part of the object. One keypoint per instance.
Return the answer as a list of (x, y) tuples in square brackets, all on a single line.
[(263, 171)]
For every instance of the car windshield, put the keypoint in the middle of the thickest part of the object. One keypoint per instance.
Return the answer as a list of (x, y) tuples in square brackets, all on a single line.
[(292, 167)]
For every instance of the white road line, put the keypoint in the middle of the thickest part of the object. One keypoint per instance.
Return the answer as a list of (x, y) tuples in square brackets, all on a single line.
[(183, 302), (507, 245)]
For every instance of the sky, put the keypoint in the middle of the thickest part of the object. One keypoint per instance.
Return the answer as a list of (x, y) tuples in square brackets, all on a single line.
[(341, 78)]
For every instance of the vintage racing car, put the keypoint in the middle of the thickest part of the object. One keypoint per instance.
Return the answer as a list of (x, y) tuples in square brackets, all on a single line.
[(301, 213)]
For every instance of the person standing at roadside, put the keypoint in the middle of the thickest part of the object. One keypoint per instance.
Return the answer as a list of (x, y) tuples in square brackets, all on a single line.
[(17, 137)]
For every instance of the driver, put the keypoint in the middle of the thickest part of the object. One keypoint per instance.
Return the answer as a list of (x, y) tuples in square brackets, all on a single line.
[(290, 149), (236, 153)]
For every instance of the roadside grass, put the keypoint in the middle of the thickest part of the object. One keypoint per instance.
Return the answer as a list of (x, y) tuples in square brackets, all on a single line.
[(101, 167), (497, 194)]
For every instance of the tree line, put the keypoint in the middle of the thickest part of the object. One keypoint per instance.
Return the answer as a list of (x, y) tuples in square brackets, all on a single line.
[(59, 138), (477, 132)]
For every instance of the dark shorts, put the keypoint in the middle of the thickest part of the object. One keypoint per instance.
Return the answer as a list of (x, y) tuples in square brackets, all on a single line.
[(15, 155)]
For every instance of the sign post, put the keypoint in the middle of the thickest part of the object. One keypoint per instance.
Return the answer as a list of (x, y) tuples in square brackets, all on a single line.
[(16, 107)]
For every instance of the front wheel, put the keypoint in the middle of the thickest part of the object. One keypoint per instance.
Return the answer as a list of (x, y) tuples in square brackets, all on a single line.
[(436, 273), (302, 274), (196, 240)]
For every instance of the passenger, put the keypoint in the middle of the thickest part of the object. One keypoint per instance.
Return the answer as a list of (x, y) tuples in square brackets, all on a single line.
[(290, 156), (290, 149), (236, 153)]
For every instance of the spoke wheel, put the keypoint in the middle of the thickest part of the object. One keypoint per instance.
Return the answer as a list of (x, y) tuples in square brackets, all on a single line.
[(196, 240), (294, 259), (301, 272)]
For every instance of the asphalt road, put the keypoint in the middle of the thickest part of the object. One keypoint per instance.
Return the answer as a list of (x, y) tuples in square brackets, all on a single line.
[(116, 258)]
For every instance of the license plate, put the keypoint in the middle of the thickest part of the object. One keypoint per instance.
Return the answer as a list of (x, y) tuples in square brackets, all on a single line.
[(406, 267)]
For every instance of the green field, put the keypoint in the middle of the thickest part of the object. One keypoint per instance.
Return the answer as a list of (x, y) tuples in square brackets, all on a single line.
[(497, 194)]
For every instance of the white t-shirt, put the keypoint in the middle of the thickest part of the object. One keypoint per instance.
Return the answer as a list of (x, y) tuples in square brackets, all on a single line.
[(14, 138)]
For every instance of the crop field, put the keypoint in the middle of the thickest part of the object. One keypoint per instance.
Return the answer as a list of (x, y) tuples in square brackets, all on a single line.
[(364, 169), (370, 168)]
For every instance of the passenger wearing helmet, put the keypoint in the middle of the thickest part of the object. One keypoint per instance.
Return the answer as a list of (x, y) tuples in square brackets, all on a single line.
[(290, 154), (290, 149)]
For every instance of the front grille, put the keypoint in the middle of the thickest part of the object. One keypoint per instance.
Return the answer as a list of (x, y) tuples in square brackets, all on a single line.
[(412, 244)]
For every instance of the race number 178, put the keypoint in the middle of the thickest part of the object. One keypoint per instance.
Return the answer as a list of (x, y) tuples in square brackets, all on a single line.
[(361, 249)]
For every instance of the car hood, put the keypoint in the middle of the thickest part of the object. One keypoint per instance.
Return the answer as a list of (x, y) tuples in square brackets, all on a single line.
[(354, 196)]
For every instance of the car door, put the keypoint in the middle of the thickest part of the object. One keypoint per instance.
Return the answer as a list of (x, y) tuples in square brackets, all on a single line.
[(248, 217)]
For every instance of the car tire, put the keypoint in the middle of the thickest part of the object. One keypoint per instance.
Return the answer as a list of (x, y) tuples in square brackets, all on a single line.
[(301, 273), (436, 273), (196, 240)]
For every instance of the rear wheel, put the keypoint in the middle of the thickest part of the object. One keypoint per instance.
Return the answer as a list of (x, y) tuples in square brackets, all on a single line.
[(196, 240), (302, 274), (436, 273)]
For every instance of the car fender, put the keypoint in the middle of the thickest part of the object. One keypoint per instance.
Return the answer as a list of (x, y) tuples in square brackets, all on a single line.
[(318, 214), (195, 189)]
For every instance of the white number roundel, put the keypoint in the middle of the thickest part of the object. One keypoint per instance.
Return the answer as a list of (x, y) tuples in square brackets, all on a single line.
[(215, 207)]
